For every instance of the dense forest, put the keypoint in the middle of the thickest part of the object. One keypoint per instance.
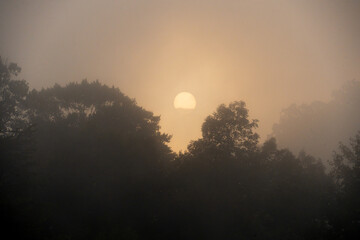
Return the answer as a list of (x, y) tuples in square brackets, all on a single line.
[(84, 161)]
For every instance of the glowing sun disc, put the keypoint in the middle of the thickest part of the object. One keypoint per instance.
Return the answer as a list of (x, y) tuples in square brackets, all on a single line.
[(184, 100)]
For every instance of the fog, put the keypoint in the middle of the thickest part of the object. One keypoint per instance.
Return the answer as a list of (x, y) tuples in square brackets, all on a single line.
[(179, 119), (318, 127), (270, 54)]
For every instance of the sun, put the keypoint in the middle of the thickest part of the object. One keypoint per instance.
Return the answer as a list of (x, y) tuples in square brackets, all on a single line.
[(184, 100)]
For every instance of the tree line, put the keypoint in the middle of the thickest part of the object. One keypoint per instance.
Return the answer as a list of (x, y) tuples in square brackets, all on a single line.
[(317, 127), (84, 161)]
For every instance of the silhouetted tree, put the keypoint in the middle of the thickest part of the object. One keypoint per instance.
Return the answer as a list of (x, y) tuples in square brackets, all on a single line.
[(227, 187), (346, 171), (12, 96), (15, 151), (101, 169), (102, 158), (227, 131)]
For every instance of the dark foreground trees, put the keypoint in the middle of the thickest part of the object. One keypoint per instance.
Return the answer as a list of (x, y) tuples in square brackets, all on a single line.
[(346, 172), (85, 162), (15, 153), (244, 192), (101, 159)]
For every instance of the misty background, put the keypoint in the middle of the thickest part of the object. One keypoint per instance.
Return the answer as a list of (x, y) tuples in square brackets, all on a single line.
[(91, 146), (271, 54)]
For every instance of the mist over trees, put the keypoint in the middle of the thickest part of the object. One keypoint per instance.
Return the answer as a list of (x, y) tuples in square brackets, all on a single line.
[(318, 127), (84, 161)]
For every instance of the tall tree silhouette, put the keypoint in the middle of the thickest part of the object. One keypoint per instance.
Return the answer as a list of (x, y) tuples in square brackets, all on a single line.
[(102, 157), (13, 93), (346, 172), (228, 187), (228, 130), (15, 151), (101, 169)]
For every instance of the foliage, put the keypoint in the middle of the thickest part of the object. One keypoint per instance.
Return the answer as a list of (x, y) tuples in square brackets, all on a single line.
[(99, 154), (227, 131), (12, 97), (15, 151), (346, 172), (91, 164)]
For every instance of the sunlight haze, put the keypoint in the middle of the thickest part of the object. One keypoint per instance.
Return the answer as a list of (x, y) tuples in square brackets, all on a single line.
[(269, 54), (180, 119), (184, 100)]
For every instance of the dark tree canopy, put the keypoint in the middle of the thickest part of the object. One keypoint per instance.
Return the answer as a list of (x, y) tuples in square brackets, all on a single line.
[(84, 161), (238, 190), (96, 108), (12, 96), (346, 172), (99, 154), (228, 130), (15, 149)]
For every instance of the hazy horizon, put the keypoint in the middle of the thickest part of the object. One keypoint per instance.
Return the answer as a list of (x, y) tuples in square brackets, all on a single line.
[(180, 119), (269, 54)]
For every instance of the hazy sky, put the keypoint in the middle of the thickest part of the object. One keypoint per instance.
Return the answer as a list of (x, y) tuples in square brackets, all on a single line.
[(268, 53)]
